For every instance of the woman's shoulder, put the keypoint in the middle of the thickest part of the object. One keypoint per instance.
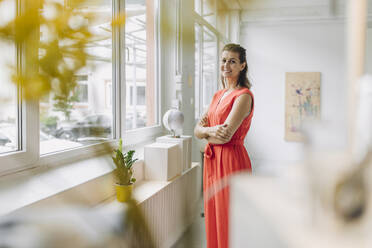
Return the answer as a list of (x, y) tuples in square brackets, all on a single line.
[(242, 91)]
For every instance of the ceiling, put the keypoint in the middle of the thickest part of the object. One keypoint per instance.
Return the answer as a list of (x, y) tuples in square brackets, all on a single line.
[(263, 4), (254, 4)]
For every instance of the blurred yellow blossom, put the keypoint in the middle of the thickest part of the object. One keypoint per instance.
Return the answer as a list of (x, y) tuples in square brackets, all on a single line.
[(53, 38)]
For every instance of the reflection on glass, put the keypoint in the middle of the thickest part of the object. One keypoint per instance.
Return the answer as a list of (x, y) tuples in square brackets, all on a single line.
[(88, 118), (8, 93), (140, 59), (209, 73)]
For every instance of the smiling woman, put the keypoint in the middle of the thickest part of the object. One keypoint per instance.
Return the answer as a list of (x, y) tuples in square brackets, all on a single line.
[(225, 125)]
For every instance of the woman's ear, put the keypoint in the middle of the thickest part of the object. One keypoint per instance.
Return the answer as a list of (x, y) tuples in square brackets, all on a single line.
[(244, 64)]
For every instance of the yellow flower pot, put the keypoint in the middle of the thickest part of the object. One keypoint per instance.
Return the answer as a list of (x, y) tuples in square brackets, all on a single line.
[(123, 192)]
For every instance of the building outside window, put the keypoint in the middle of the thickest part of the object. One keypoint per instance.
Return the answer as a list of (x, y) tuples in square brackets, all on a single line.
[(92, 115), (8, 102), (80, 122)]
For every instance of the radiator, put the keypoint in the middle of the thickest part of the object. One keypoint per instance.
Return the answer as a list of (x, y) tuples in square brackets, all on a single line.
[(168, 212), (171, 210)]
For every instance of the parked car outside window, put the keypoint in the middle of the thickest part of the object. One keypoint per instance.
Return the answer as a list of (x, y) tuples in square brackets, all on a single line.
[(95, 127)]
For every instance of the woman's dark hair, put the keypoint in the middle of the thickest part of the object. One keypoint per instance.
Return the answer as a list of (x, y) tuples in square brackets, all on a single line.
[(243, 80)]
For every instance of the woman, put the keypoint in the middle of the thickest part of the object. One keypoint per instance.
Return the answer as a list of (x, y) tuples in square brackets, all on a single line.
[(224, 126)]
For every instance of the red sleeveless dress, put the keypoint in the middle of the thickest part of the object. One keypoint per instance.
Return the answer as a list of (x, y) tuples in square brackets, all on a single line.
[(221, 161)]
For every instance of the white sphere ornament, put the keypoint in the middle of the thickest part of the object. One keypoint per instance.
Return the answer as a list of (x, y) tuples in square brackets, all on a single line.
[(173, 120)]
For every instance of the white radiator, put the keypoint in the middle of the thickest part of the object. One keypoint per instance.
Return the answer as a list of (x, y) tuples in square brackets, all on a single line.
[(168, 212), (171, 210)]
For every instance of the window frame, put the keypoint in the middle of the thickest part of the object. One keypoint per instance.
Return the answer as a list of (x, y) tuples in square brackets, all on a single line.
[(27, 118), (28, 112), (203, 24), (140, 135)]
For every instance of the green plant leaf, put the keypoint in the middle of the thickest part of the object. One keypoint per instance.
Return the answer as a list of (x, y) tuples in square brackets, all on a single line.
[(123, 162)]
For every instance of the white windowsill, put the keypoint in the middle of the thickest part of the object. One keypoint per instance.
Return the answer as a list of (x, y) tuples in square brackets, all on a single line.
[(59, 184), (144, 189)]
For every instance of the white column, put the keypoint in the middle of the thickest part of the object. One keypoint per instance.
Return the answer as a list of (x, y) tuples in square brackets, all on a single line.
[(356, 39)]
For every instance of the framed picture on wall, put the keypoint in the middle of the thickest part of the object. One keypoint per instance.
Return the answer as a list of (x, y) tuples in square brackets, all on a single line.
[(302, 102)]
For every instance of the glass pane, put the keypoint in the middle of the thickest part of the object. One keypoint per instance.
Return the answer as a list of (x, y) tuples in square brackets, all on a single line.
[(140, 64), (197, 71), (89, 118), (197, 6), (209, 72), (209, 11), (8, 93)]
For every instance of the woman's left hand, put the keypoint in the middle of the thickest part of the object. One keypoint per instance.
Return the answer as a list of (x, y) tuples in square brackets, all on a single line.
[(222, 132), (204, 121)]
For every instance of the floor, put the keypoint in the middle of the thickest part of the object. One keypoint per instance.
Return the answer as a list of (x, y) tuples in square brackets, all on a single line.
[(194, 237)]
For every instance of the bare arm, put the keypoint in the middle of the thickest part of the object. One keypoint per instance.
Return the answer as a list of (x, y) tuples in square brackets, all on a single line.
[(240, 110), (201, 128), (216, 140), (222, 134), (211, 134)]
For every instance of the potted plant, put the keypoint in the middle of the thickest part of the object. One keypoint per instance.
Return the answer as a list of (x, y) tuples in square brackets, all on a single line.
[(123, 172)]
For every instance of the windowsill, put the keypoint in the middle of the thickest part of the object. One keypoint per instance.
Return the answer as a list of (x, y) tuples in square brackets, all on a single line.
[(63, 183), (134, 139), (144, 189)]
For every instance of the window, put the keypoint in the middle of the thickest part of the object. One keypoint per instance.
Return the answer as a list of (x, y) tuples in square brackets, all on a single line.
[(82, 89), (206, 73), (209, 72), (198, 69), (9, 101), (207, 10), (140, 45), (197, 6), (208, 41), (9, 128), (108, 94), (47, 131), (79, 122)]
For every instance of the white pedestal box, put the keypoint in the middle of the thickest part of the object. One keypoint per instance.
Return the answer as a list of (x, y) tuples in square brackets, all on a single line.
[(184, 143), (162, 161)]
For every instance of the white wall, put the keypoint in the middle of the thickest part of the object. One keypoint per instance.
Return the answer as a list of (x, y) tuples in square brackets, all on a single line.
[(368, 58), (272, 50)]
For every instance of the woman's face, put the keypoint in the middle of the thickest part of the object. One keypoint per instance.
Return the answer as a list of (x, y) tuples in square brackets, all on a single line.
[(230, 64)]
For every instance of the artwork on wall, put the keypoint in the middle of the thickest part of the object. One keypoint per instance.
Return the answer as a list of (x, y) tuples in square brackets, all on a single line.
[(302, 102)]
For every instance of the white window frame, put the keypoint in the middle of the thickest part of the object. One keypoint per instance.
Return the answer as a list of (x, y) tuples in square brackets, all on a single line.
[(29, 156), (140, 135), (199, 20), (28, 122)]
